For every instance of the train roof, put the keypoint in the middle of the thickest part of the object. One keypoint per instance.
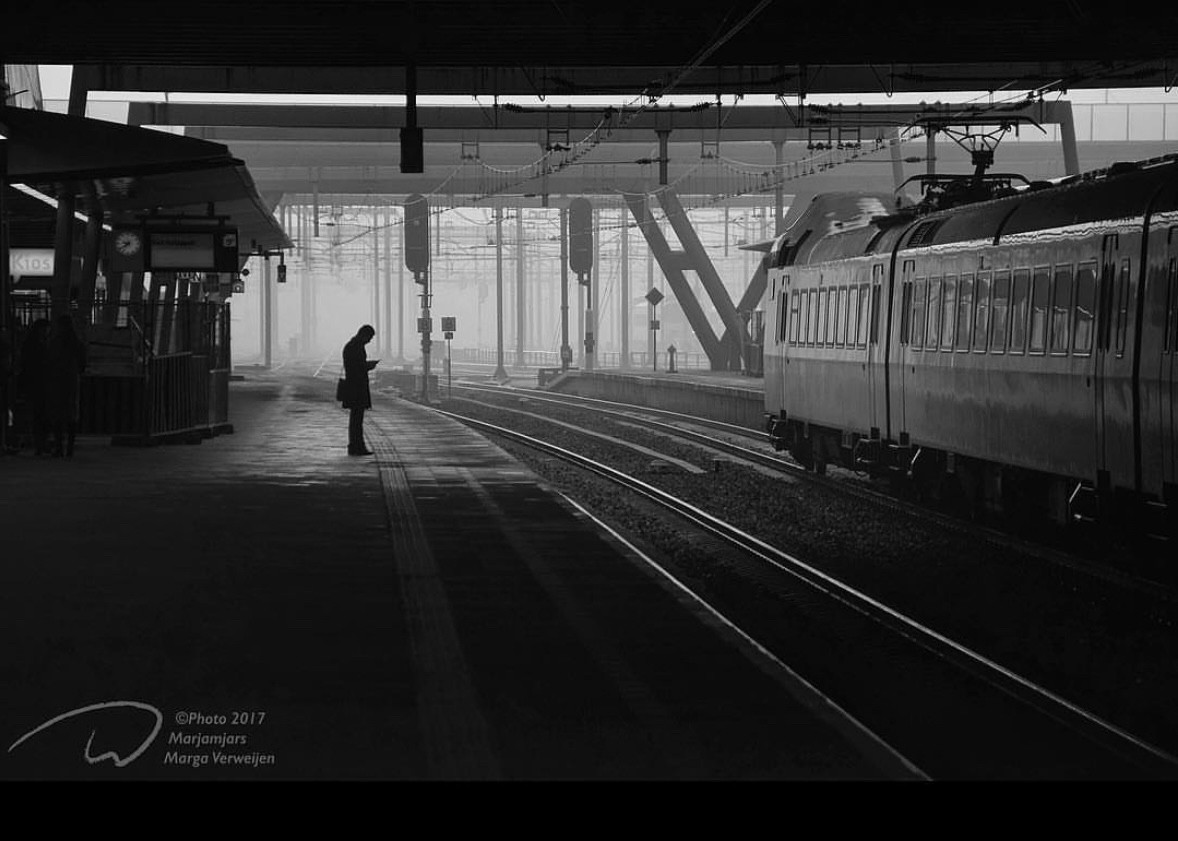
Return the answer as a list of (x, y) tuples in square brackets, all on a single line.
[(1118, 192)]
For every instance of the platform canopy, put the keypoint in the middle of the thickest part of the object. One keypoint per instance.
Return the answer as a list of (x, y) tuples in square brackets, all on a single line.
[(134, 171)]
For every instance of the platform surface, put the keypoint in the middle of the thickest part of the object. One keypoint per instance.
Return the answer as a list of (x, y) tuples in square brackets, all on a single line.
[(264, 606)]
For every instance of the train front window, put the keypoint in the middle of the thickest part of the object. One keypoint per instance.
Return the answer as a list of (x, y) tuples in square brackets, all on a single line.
[(1018, 310), (1061, 309), (998, 311), (948, 311), (981, 320), (1085, 308), (1040, 301), (964, 311)]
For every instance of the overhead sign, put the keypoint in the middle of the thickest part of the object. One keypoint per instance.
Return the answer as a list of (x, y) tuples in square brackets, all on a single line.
[(30, 262), (173, 249)]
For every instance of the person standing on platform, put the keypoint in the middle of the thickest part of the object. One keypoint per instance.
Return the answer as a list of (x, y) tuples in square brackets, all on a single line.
[(31, 382), (65, 360), (356, 395)]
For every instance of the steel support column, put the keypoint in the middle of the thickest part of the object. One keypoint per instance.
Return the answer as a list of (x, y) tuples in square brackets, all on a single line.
[(672, 264), (735, 335)]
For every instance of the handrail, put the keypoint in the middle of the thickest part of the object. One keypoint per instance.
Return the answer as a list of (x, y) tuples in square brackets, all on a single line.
[(150, 351)]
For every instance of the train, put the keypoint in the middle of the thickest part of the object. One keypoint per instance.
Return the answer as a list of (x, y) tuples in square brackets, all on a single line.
[(1009, 343)]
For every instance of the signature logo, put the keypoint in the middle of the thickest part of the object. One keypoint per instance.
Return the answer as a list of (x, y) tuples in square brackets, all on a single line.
[(119, 761)]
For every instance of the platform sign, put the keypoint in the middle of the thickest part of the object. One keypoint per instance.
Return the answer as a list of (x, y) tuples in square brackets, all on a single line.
[(449, 323), (416, 233), (580, 235), (30, 262), (191, 250)]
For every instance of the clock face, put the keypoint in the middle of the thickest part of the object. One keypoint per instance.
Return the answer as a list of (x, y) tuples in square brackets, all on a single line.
[(128, 243)]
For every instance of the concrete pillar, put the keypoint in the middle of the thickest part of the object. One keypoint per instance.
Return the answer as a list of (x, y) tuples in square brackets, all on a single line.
[(500, 374), (565, 349), (1067, 136), (521, 321), (401, 289), (624, 321), (387, 341), (779, 190), (267, 315)]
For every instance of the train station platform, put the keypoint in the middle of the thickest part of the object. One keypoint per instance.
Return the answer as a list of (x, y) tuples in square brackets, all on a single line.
[(264, 606), (720, 395)]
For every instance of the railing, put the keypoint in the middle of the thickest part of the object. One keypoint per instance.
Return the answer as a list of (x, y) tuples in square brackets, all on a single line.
[(155, 369), (551, 359)]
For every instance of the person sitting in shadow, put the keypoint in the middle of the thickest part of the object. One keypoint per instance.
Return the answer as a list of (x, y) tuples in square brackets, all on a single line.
[(65, 360), (356, 394), (32, 382)]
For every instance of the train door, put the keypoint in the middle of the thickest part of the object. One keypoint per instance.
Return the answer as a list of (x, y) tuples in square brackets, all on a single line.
[(1169, 379), (1112, 371), (900, 324), (869, 334)]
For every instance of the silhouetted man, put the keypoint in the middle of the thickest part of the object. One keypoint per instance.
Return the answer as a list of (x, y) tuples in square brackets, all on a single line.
[(356, 395)]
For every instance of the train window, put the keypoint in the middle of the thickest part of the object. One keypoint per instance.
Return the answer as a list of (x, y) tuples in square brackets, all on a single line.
[(1019, 296), (998, 310), (918, 302), (934, 312), (840, 310), (820, 333), (874, 319), (905, 311), (852, 315), (812, 329), (948, 311), (803, 317), (1172, 309), (981, 319), (794, 323), (1040, 301), (1085, 308), (865, 312), (1122, 306), (964, 311), (831, 315), (1061, 309)]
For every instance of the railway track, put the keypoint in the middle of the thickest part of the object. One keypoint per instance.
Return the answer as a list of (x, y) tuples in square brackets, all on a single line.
[(677, 425), (954, 712)]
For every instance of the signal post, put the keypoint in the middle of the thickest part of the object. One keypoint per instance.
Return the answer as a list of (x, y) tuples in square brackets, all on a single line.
[(581, 262), (417, 261)]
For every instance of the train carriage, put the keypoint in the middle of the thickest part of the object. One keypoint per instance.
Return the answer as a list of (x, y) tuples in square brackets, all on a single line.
[(1020, 342)]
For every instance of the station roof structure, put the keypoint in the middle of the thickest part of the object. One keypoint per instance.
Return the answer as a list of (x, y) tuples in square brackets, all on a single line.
[(550, 47), (135, 171)]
